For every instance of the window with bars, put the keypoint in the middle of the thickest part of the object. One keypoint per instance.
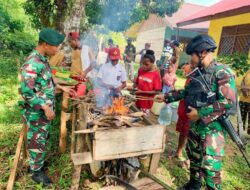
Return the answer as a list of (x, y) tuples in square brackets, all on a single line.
[(235, 39)]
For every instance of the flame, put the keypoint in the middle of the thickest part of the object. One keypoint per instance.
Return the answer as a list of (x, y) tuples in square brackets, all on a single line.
[(118, 107)]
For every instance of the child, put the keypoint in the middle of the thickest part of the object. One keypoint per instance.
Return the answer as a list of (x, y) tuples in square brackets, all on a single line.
[(148, 80), (186, 69), (169, 78), (183, 124), (112, 78)]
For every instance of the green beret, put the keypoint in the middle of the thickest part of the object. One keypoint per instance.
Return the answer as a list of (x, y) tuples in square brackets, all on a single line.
[(51, 37)]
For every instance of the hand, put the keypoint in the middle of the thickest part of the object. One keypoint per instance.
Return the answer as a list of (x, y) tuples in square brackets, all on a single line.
[(245, 92), (83, 75), (69, 90), (49, 113), (139, 92), (118, 90), (62, 64), (193, 114), (159, 98), (130, 88)]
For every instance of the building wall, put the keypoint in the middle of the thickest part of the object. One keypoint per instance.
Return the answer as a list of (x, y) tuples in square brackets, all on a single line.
[(155, 37), (215, 28)]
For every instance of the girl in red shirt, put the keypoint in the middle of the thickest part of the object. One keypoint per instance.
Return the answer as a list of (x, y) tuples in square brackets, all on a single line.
[(148, 82)]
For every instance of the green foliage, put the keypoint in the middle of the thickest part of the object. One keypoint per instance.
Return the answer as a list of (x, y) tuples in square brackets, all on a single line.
[(47, 13), (119, 15), (179, 73), (238, 62), (15, 42), (162, 7), (8, 24), (20, 42)]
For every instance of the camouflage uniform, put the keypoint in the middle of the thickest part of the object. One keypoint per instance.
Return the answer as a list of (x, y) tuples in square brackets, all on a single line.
[(129, 60), (37, 90), (205, 146)]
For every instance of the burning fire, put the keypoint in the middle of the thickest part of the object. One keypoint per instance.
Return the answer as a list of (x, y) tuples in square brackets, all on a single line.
[(118, 107)]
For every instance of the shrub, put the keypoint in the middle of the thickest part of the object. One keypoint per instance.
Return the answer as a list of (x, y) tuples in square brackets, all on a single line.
[(238, 62)]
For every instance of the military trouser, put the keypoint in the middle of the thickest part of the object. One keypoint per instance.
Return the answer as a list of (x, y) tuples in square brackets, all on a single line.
[(245, 113), (37, 136), (206, 157), (129, 66)]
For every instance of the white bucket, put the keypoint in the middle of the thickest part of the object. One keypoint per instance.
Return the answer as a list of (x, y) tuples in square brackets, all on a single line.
[(156, 108)]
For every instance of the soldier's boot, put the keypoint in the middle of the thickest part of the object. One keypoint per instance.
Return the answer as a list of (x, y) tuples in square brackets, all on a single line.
[(41, 177), (191, 185), (44, 168)]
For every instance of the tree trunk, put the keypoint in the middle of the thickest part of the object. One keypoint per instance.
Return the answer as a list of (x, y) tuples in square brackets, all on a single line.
[(59, 19), (73, 21)]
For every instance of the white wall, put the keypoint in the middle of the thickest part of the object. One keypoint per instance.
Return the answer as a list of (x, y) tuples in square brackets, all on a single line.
[(155, 37)]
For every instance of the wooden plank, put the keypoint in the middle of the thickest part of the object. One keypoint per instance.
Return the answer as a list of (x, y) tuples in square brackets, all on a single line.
[(154, 163), (85, 131), (76, 177), (146, 184), (73, 137), (16, 159), (25, 151), (117, 143), (125, 155), (113, 187), (82, 124), (82, 158), (63, 132), (149, 122), (65, 101)]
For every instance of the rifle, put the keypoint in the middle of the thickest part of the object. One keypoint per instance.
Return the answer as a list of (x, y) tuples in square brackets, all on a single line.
[(224, 121)]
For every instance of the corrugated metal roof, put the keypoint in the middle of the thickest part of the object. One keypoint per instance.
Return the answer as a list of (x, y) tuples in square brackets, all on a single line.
[(228, 7), (186, 10)]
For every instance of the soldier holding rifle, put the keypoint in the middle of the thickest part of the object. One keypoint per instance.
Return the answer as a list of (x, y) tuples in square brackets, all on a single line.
[(205, 103)]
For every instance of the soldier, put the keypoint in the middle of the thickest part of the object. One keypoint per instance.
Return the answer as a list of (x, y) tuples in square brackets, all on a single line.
[(38, 93), (129, 59), (205, 146)]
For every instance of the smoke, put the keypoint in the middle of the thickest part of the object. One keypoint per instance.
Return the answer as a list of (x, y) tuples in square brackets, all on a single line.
[(116, 15)]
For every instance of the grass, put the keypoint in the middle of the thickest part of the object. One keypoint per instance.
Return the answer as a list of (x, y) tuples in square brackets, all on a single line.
[(236, 174)]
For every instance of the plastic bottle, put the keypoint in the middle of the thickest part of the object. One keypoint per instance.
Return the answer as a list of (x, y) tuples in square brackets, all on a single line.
[(165, 115)]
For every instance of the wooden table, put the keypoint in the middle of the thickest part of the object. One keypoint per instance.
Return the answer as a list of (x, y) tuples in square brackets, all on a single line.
[(111, 144)]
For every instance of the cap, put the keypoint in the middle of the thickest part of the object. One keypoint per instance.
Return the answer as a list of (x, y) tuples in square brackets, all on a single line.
[(114, 54), (73, 35), (51, 36)]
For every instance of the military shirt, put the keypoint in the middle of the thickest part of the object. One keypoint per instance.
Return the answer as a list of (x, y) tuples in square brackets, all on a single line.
[(130, 52), (37, 86), (225, 89)]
